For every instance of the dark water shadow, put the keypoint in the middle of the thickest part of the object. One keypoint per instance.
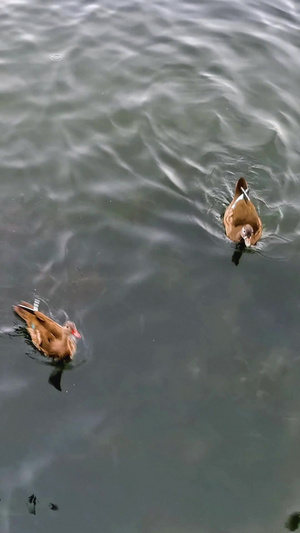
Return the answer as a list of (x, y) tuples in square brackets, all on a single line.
[(58, 368), (55, 376), (240, 249), (238, 252), (293, 521)]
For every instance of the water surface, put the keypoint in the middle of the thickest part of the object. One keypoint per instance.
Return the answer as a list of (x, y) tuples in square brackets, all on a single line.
[(124, 130)]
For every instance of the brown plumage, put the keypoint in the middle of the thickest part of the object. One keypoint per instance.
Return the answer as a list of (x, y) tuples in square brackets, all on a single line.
[(47, 336), (241, 220)]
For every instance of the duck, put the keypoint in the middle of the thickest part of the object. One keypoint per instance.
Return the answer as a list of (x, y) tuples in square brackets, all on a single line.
[(241, 220), (49, 337)]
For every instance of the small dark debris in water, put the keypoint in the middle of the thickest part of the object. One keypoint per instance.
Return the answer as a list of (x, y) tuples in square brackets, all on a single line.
[(293, 521), (53, 507), (32, 501)]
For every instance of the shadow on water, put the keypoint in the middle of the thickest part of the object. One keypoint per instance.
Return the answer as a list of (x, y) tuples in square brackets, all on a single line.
[(239, 250), (56, 375), (293, 521), (59, 367)]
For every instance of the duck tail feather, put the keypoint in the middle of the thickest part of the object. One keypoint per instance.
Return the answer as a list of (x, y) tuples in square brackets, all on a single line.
[(26, 308), (241, 184)]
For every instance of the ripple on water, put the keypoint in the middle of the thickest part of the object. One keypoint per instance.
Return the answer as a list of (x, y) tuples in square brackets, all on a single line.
[(56, 57)]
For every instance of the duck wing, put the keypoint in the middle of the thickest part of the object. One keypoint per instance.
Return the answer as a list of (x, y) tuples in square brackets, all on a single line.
[(37, 320)]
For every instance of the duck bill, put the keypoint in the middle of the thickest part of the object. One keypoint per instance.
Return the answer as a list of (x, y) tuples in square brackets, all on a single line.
[(247, 242), (76, 333)]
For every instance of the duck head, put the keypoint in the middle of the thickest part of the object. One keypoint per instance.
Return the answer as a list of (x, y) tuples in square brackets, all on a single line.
[(70, 329), (246, 234)]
